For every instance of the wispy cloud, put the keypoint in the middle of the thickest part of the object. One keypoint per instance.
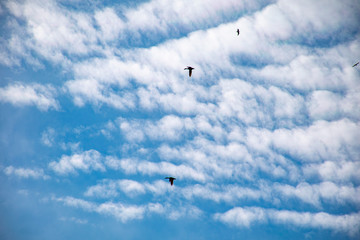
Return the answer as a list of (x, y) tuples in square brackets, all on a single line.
[(304, 193), (244, 217), (134, 166), (109, 189), (268, 118), (26, 173), (75, 220), (125, 213), (41, 96), (48, 137), (336, 171), (85, 161)]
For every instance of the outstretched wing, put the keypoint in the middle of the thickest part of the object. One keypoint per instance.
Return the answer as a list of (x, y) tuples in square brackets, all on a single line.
[(355, 64)]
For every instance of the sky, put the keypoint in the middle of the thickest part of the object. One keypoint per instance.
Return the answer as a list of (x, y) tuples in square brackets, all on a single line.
[(96, 110)]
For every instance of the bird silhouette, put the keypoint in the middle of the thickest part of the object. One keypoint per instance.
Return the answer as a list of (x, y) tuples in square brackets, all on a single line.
[(355, 64), (190, 70), (171, 180), (238, 31)]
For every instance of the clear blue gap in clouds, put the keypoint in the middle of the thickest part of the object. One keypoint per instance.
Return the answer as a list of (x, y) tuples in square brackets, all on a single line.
[(96, 110)]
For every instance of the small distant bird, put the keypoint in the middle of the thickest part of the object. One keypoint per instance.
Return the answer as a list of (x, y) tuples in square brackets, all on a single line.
[(190, 70), (171, 180), (355, 64), (238, 31)]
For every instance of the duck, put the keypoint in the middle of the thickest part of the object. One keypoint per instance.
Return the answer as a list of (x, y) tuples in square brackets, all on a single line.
[(190, 70), (171, 180)]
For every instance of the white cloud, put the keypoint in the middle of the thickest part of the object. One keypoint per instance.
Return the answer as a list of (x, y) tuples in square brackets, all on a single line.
[(244, 217), (322, 140), (41, 96), (157, 70), (121, 212), (183, 211), (337, 171), (53, 31), (162, 15), (90, 90), (75, 220), (170, 127), (258, 106), (125, 212), (348, 223), (323, 192), (327, 105), (109, 22), (134, 166), (77, 203), (316, 194), (231, 160), (117, 210), (306, 17), (226, 193), (26, 172), (59, 34), (85, 161), (111, 188), (48, 137)]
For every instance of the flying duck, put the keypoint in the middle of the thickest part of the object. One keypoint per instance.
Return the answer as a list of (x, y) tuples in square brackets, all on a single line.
[(171, 180), (190, 70)]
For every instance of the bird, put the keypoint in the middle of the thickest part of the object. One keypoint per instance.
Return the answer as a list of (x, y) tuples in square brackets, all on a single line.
[(190, 70), (171, 180), (238, 31), (355, 64)]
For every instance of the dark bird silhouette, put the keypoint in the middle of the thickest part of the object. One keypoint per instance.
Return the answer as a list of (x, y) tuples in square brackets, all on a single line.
[(355, 64), (190, 70), (238, 31), (171, 180)]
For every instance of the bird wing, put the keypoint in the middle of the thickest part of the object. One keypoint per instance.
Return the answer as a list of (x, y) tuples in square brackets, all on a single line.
[(355, 64)]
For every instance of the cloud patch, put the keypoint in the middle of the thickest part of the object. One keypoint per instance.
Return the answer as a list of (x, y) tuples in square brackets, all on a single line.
[(245, 217), (26, 173), (41, 96), (126, 212), (85, 161)]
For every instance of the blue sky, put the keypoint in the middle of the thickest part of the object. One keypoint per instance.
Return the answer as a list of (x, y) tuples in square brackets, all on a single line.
[(96, 109)]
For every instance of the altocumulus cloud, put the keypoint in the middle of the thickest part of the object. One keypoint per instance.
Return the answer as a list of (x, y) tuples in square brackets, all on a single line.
[(26, 172), (269, 117), (126, 213), (43, 97), (244, 217), (85, 161)]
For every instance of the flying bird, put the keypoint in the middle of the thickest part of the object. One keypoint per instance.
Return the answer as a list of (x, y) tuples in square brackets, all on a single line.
[(171, 180), (355, 64), (238, 31), (190, 70)]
